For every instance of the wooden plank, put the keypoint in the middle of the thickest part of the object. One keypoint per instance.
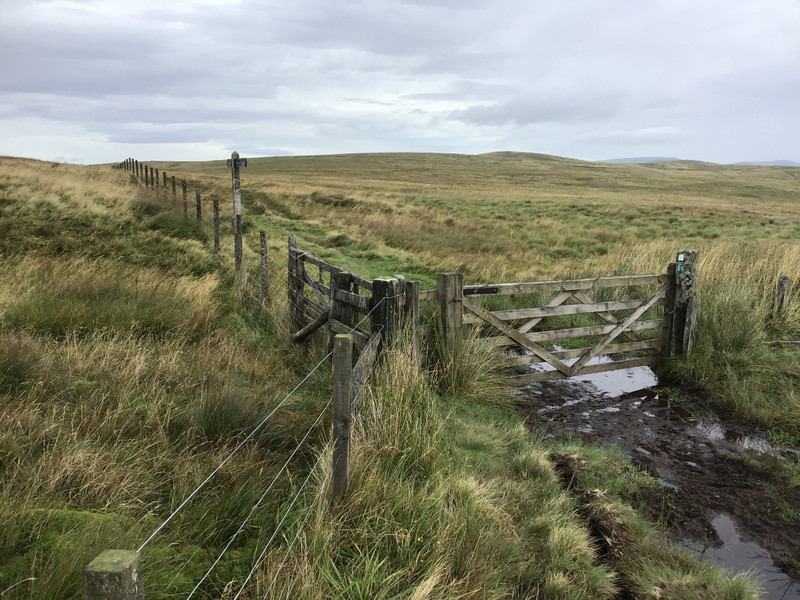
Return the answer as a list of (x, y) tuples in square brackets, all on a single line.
[(306, 301), (532, 359), (515, 335), (563, 334), (361, 282), (360, 338), (589, 370), (427, 296), (565, 310), (360, 303), (365, 364), (321, 291), (557, 301), (608, 317), (568, 285), (311, 327), (576, 367), (318, 262)]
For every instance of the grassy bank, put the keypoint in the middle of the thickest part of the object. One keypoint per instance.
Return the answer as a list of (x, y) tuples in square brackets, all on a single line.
[(132, 363)]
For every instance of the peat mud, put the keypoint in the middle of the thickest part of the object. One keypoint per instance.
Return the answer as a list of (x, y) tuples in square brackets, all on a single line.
[(716, 503)]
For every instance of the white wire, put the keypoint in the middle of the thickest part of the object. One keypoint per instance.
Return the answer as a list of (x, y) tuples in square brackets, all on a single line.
[(297, 535), (235, 450), (253, 510), (285, 514)]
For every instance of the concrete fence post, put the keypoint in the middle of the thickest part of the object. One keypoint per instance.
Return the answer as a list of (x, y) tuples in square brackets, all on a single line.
[(114, 575)]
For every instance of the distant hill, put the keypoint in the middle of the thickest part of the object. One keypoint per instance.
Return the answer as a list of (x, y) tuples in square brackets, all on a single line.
[(771, 163), (641, 160)]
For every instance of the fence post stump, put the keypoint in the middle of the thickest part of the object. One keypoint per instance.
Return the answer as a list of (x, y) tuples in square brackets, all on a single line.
[(215, 203), (342, 417), (198, 205), (411, 316), (449, 291), (386, 308), (781, 297), (264, 272), (686, 273), (338, 311), (667, 332), (114, 575)]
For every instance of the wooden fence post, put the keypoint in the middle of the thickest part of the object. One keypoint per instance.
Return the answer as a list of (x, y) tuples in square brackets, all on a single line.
[(138, 174), (386, 308), (339, 311), (174, 193), (114, 575), (215, 203), (411, 316), (342, 417), (185, 202), (237, 242), (686, 274), (156, 180), (234, 163), (165, 182), (781, 298), (146, 176), (668, 332), (449, 291), (264, 276), (296, 284), (198, 205)]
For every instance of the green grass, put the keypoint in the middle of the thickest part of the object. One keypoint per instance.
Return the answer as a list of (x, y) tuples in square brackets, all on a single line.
[(133, 360)]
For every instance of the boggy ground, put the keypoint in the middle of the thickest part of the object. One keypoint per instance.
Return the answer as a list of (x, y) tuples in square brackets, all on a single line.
[(709, 469)]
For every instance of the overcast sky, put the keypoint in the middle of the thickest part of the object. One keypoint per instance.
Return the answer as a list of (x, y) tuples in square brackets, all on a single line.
[(98, 81)]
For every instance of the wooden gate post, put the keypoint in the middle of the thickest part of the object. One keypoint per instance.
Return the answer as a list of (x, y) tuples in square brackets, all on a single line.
[(215, 204), (342, 416), (337, 310), (296, 284), (667, 333), (686, 274), (198, 206), (449, 291), (114, 575), (411, 316), (781, 297), (386, 308), (264, 276)]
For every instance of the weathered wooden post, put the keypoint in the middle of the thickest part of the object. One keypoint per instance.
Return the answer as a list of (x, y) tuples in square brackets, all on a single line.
[(781, 298), (342, 416), (165, 182), (290, 277), (157, 179), (215, 204), (449, 291), (174, 192), (686, 303), (234, 163), (668, 330), (337, 310), (198, 206), (138, 173), (114, 575), (411, 316), (385, 308), (264, 272), (146, 176)]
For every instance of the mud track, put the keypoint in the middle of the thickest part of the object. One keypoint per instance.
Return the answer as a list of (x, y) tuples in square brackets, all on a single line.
[(716, 503)]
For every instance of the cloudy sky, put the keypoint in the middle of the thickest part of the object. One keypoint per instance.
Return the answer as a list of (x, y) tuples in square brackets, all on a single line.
[(97, 81)]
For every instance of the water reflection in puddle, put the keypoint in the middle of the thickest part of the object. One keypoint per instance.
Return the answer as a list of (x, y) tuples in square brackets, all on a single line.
[(739, 557)]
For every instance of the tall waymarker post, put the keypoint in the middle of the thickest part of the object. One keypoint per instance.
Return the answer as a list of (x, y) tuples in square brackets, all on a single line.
[(233, 164)]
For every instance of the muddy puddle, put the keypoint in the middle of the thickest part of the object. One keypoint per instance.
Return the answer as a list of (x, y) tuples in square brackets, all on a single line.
[(719, 507)]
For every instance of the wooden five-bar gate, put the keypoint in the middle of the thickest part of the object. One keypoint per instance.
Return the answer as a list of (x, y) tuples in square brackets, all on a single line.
[(661, 318)]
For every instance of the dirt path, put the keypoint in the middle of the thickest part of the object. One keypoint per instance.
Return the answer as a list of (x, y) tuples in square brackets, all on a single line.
[(719, 506)]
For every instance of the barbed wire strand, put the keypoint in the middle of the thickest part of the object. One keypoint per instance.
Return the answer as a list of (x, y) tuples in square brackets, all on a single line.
[(285, 514), (235, 450), (261, 499), (297, 535)]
